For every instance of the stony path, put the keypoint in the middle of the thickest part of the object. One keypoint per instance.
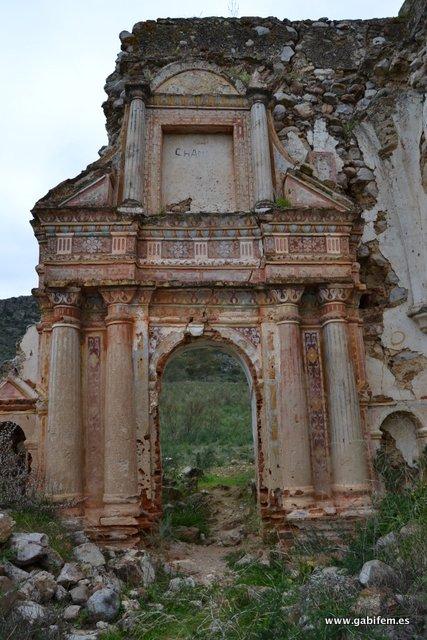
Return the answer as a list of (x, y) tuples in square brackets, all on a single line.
[(229, 530), (205, 563)]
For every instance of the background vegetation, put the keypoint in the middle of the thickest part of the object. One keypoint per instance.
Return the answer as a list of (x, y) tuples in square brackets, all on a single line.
[(205, 412), (16, 314)]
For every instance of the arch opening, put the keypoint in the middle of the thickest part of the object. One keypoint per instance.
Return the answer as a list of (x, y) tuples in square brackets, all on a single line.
[(209, 440), (15, 463), (399, 431)]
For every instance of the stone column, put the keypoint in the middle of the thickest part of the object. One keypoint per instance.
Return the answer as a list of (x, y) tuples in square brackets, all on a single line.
[(261, 161), (348, 447), (64, 439), (120, 475), (294, 428), (134, 153)]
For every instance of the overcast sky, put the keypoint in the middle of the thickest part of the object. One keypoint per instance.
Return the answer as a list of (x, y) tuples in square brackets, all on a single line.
[(55, 57)]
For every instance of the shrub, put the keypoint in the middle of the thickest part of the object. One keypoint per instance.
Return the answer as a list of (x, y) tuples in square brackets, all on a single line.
[(193, 511), (396, 507)]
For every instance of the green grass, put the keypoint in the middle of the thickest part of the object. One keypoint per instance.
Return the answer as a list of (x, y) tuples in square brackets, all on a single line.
[(393, 511), (36, 520), (192, 511), (188, 516), (204, 413), (213, 480)]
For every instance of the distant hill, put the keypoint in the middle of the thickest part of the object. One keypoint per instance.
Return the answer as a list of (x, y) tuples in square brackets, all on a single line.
[(16, 314)]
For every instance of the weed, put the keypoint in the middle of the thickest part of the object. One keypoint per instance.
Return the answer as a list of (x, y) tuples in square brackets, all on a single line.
[(348, 128), (393, 510), (283, 203), (83, 618)]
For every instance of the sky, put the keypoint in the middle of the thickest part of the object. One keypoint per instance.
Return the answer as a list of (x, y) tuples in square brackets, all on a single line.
[(55, 56)]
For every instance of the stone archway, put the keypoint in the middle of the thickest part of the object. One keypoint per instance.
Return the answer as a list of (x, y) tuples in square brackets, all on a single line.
[(170, 348)]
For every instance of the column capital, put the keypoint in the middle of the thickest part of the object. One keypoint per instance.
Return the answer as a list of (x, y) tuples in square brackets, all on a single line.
[(335, 293), (65, 297), (137, 89), (118, 299), (286, 301), (118, 295), (288, 294), (143, 295), (66, 305), (258, 94), (333, 300), (46, 309)]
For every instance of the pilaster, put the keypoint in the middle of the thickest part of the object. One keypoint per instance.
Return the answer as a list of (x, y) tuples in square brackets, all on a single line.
[(120, 465)]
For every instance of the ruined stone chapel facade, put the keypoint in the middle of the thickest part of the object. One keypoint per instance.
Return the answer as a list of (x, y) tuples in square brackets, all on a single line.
[(200, 224)]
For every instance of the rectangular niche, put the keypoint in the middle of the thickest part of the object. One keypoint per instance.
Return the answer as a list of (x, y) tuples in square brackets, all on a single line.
[(199, 166)]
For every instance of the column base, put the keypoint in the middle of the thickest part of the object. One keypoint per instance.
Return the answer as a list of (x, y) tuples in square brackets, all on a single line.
[(352, 489), (123, 536), (70, 504), (119, 498), (313, 516), (120, 507), (117, 522), (66, 497), (298, 497)]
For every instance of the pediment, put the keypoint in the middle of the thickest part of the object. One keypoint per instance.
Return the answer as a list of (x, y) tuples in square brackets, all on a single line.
[(304, 191), (16, 389), (96, 193), (197, 82), (195, 79)]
